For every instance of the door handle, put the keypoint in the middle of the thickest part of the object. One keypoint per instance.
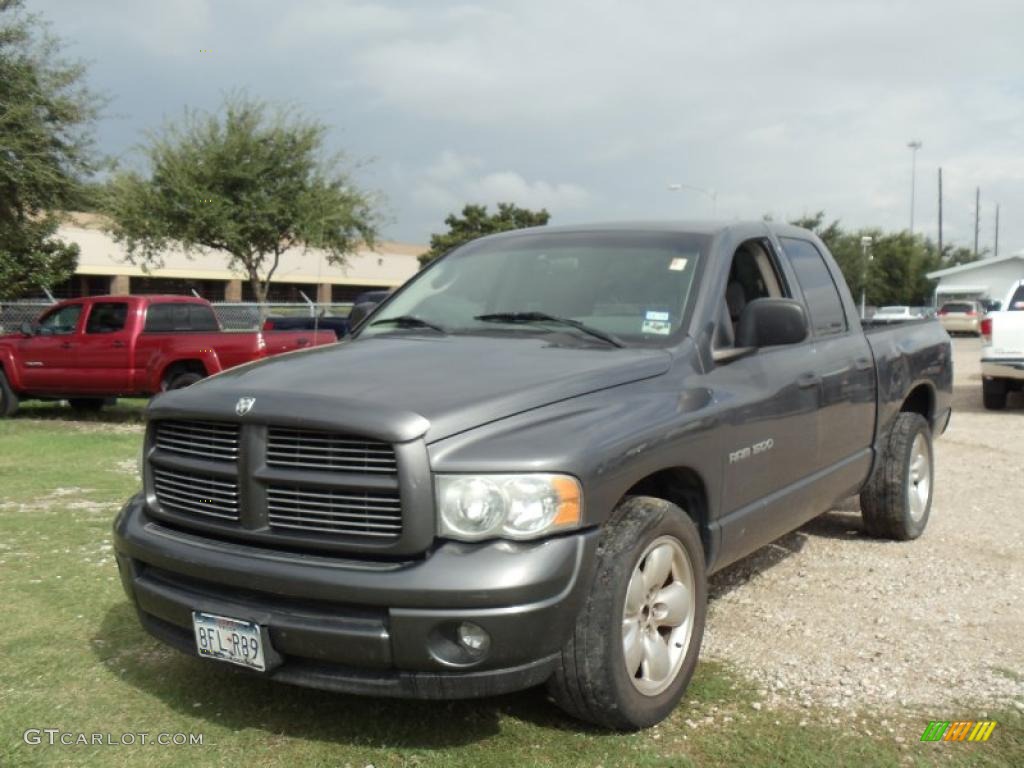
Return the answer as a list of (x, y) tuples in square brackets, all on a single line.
[(807, 380), (119, 345), (863, 363), (66, 345)]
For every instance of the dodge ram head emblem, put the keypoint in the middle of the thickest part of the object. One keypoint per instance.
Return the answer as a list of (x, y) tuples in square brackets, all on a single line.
[(244, 405)]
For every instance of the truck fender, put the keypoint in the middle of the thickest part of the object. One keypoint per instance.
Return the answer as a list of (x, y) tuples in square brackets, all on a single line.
[(10, 370)]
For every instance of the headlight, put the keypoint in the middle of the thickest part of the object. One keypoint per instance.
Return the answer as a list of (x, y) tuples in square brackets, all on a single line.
[(474, 507)]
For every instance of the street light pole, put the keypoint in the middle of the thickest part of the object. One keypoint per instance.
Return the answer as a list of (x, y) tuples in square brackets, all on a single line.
[(711, 193), (914, 146), (865, 249)]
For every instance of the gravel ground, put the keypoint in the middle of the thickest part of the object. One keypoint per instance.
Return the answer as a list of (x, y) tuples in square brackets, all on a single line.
[(827, 616)]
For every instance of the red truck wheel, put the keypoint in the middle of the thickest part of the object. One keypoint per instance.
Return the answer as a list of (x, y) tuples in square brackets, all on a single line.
[(183, 380), (8, 398)]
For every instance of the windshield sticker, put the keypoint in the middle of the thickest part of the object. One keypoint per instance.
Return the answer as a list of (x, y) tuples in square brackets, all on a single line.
[(677, 264), (657, 322)]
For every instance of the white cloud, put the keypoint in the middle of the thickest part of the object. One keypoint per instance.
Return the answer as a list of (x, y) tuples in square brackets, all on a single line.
[(590, 107), (454, 180)]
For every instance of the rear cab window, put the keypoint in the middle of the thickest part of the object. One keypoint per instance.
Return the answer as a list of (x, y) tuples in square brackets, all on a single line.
[(961, 307), (1017, 300), (180, 317), (824, 304)]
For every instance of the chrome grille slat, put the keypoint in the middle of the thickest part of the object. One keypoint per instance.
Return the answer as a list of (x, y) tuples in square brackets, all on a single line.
[(355, 515), (309, 449), (206, 506), (216, 441), (196, 494), (284, 519)]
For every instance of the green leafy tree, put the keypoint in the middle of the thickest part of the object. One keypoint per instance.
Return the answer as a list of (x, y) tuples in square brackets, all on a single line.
[(896, 272), (46, 120), (251, 184), (476, 222)]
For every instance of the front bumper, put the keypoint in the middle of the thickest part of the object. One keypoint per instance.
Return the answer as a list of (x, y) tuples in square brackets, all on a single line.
[(1003, 369), (366, 627)]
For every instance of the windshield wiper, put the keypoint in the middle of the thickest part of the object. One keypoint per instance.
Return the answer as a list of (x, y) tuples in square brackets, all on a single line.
[(409, 321), (542, 317)]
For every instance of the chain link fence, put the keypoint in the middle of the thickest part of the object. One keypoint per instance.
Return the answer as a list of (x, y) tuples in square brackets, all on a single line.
[(242, 316)]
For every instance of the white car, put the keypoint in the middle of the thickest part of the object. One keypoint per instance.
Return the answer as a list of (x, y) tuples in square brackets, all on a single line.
[(1002, 356), (895, 314)]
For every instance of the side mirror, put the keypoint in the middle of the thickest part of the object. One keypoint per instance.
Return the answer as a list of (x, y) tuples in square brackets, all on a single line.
[(359, 313), (770, 322), (28, 329)]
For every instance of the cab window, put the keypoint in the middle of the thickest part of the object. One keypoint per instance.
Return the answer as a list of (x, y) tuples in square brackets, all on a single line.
[(60, 322), (753, 274), (107, 317)]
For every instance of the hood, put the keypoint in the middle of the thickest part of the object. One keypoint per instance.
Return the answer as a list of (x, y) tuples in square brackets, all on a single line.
[(403, 386)]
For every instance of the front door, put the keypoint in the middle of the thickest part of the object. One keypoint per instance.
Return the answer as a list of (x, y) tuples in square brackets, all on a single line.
[(47, 357)]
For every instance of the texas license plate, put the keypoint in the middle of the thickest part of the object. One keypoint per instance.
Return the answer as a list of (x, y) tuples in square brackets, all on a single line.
[(232, 640)]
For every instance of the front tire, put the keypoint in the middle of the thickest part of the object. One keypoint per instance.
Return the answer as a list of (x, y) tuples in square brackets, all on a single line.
[(637, 638), (8, 397), (897, 500)]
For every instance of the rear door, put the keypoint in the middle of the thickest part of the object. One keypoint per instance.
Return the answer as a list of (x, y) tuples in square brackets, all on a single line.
[(842, 362), (105, 352), (47, 359)]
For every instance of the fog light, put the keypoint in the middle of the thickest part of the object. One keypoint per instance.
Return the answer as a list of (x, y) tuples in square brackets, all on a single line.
[(473, 638)]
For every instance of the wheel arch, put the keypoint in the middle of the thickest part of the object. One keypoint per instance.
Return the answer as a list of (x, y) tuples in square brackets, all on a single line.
[(685, 488), (920, 400)]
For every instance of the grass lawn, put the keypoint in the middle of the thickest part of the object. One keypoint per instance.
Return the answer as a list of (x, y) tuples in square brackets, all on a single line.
[(73, 657)]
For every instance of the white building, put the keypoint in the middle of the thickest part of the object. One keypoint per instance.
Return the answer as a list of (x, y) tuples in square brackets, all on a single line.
[(103, 268), (984, 279)]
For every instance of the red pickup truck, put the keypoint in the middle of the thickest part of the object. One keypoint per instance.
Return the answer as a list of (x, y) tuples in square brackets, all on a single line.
[(88, 350)]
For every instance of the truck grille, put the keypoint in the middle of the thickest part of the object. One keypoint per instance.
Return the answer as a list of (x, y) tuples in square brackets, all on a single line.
[(196, 494), (288, 487), (214, 440), (307, 449), (349, 513)]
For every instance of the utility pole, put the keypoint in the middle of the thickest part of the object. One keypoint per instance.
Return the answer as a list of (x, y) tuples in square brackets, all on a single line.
[(914, 146), (940, 213), (996, 254), (977, 217)]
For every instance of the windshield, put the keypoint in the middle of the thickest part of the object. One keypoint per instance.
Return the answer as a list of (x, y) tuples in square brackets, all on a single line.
[(634, 286)]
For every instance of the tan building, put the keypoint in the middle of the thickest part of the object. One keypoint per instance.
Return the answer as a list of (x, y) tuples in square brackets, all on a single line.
[(103, 268)]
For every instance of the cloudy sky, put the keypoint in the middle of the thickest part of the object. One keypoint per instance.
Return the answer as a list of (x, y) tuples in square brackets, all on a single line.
[(591, 108)]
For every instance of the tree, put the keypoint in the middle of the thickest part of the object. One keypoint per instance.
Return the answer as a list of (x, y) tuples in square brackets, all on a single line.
[(46, 147), (476, 222), (251, 184), (898, 268)]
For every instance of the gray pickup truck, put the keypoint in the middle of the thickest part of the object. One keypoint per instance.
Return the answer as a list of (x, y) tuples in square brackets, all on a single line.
[(525, 463)]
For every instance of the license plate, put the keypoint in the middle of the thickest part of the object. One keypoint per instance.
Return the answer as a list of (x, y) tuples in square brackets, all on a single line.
[(232, 640)]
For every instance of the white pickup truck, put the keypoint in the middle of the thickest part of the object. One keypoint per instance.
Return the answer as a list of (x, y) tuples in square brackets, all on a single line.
[(1002, 356)]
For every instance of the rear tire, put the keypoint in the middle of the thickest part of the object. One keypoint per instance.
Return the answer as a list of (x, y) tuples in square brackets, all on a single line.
[(640, 608), (897, 500), (8, 397), (182, 380), (87, 404), (993, 393)]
